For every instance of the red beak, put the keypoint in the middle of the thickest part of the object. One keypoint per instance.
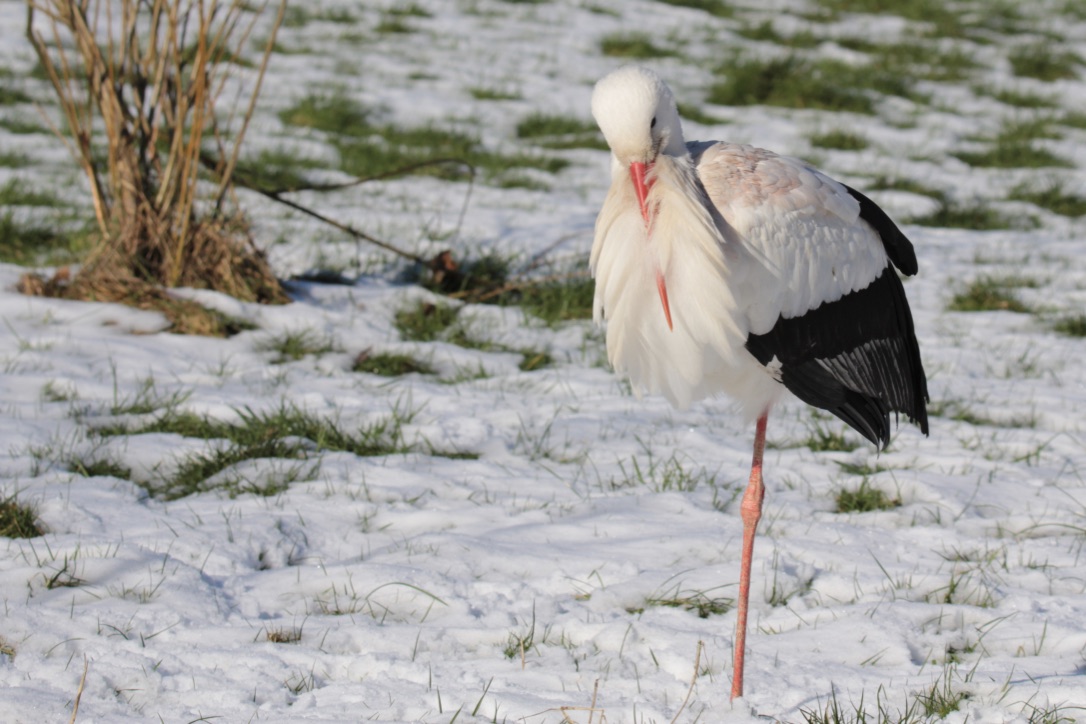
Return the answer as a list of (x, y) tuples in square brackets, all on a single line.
[(637, 175), (641, 188)]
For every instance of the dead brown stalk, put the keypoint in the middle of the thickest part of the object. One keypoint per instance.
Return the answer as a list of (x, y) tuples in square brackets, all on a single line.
[(139, 83)]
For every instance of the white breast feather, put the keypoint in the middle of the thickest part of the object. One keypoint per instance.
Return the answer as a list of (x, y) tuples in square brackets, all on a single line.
[(705, 352)]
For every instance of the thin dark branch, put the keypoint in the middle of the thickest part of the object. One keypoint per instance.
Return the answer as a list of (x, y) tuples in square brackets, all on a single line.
[(339, 225), (277, 195)]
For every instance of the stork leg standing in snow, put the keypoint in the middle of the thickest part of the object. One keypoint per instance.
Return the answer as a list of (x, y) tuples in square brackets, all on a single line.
[(728, 268)]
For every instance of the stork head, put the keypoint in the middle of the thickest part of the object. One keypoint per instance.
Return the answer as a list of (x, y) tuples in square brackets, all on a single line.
[(637, 114)]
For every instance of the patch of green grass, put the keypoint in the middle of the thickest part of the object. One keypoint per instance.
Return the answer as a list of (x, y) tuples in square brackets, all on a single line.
[(941, 700), (393, 24), (965, 588), (988, 294), (927, 61), (382, 437), (275, 434), (535, 360), (864, 499), (937, 13), (13, 159), (520, 644), (897, 183), (1073, 326), (863, 469), (300, 15), (32, 244), (146, 399), (103, 467), (1014, 155), (389, 364), (766, 32), (823, 439), (840, 140), (1044, 62), (1022, 99), (939, 20), (796, 82), (717, 8), (959, 412), (481, 93), (367, 149), (917, 59), (172, 420), (12, 96), (18, 520), (560, 132), (1051, 196), (22, 127), (934, 703), (976, 215), (51, 391), (396, 148), (333, 113), (699, 602), (540, 125), (276, 169), (487, 280), (292, 346), (17, 192), (425, 321), (560, 299), (284, 635), (697, 115), (1013, 147), (460, 335), (193, 472), (1072, 120), (637, 46), (661, 475), (296, 16), (519, 179)]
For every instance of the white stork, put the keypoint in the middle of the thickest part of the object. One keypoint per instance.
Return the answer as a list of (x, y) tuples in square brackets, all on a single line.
[(727, 268)]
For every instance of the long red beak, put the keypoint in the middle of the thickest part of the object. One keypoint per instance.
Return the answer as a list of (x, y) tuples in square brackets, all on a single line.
[(641, 188), (637, 175)]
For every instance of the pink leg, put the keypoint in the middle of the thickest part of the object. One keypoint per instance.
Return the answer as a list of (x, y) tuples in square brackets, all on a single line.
[(751, 511)]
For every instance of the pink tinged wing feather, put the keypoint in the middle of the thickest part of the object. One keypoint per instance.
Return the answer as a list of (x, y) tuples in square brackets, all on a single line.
[(800, 229)]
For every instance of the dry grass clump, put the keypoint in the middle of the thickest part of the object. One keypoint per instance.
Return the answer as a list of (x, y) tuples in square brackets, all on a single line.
[(139, 85)]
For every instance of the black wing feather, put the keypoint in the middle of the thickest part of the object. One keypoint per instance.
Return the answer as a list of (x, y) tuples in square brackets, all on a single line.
[(897, 245), (856, 357)]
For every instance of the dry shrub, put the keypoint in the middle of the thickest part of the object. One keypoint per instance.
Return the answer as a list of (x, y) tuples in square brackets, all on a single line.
[(139, 83)]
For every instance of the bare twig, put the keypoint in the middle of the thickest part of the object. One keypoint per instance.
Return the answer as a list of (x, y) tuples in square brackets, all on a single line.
[(342, 227), (79, 692), (693, 681), (228, 171), (591, 708)]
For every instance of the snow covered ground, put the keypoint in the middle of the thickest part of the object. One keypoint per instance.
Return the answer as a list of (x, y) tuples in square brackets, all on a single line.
[(548, 541)]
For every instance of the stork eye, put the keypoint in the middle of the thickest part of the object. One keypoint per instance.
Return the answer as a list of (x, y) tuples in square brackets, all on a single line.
[(653, 124)]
